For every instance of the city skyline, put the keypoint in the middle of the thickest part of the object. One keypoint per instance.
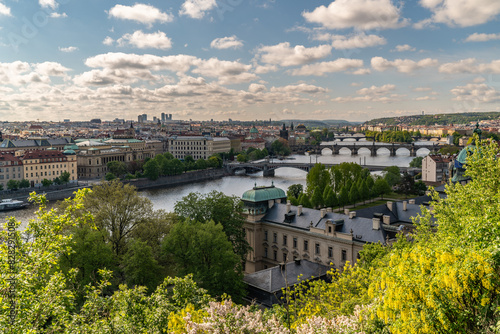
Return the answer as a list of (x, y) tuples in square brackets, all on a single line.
[(258, 59)]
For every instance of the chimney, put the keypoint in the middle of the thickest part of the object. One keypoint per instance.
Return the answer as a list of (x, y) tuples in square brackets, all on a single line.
[(297, 261), (329, 210), (299, 210), (405, 205), (322, 212), (346, 212), (387, 220), (411, 201), (352, 214), (389, 205), (376, 223), (288, 205)]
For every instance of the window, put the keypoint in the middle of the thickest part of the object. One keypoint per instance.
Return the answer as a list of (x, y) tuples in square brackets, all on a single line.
[(329, 229), (275, 255), (316, 248), (275, 237), (265, 252), (344, 255), (265, 235), (294, 242), (284, 257), (306, 245), (330, 252), (284, 240)]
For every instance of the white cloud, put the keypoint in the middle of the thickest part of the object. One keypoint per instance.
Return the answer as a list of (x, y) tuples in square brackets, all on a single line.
[(48, 4), (376, 90), (68, 49), (382, 94), (51, 69), (145, 14), (463, 13), (475, 37), (426, 23), (300, 88), (284, 55), (401, 65), (320, 69), (256, 88), (196, 8), (21, 73), (403, 47), (141, 40), (422, 89), (260, 69), (357, 41), (476, 92), (358, 14), (425, 98), (56, 15), (226, 71), (470, 65), (108, 41), (4, 10), (362, 71), (226, 43)]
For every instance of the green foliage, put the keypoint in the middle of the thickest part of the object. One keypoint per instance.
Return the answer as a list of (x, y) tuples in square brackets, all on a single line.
[(203, 250), (14, 184), (45, 183), (152, 169), (280, 147), (295, 190), (381, 187), (449, 149), (416, 162), (24, 183), (110, 176), (353, 194), (222, 209), (242, 157), (140, 266), (117, 167), (392, 136), (392, 175)]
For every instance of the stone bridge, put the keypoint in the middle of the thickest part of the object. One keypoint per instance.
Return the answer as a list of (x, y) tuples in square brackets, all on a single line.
[(373, 147), (268, 168)]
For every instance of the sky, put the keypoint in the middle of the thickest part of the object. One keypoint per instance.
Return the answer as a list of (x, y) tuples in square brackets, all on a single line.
[(247, 59)]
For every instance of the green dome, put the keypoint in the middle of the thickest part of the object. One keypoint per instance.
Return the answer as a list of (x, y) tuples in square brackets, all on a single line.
[(71, 147), (260, 194), (69, 152), (254, 130)]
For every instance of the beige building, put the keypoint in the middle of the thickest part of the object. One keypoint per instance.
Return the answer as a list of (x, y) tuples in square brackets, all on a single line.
[(436, 168), (279, 232), (11, 168), (199, 147), (49, 164)]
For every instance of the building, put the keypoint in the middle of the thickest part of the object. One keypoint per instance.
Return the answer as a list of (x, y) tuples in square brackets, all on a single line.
[(11, 168), (49, 164), (436, 168), (279, 232), (198, 147), (35, 143)]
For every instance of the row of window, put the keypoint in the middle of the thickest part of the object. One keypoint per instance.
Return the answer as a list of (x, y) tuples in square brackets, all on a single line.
[(53, 166), (43, 160), (41, 174), (317, 246), (285, 254), (6, 169), (7, 176)]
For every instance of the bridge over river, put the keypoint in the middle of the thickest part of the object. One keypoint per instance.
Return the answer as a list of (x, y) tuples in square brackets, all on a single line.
[(373, 147), (268, 168)]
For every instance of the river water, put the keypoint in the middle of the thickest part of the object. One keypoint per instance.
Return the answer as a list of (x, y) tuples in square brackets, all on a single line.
[(236, 185)]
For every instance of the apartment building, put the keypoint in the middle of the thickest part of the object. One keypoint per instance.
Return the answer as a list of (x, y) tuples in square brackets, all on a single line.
[(11, 168), (199, 147), (48, 164), (436, 168)]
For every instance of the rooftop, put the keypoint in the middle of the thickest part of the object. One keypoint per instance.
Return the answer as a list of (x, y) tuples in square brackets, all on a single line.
[(263, 193)]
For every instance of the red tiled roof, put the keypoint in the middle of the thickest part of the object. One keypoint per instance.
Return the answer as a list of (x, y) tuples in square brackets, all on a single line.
[(43, 154)]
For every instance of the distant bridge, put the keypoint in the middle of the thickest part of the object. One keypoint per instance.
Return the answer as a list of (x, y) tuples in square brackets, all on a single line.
[(373, 147), (268, 168)]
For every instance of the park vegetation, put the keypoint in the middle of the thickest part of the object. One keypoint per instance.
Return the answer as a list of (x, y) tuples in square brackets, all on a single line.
[(394, 136), (444, 277)]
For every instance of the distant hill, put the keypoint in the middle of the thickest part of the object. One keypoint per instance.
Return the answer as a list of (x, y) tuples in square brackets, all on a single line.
[(320, 124), (440, 119)]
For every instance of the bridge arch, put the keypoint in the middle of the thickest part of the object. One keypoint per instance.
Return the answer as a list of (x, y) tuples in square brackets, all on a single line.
[(403, 151)]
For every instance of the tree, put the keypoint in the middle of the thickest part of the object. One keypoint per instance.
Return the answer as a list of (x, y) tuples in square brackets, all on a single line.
[(222, 209), (407, 184), (152, 170), (109, 176), (416, 162), (280, 147), (343, 198), (201, 164), (353, 194), (317, 198), (392, 175), (14, 184), (45, 182), (140, 266), (242, 157), (304, 201), (203, 250), (118, 211), (294, 191), (117, 167), (318, 176), (24, 183), (381, 187)]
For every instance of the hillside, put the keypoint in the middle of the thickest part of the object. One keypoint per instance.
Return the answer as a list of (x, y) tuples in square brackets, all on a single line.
[(440, 119)]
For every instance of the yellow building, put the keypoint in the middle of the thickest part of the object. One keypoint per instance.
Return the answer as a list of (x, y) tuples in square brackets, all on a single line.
[(49, 164)]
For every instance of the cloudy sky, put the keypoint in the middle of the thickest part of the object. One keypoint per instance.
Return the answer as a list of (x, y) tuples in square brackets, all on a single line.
[(247, 59)]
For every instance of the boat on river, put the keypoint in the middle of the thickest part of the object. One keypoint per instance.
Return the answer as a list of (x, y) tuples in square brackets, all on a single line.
[(12, 204)]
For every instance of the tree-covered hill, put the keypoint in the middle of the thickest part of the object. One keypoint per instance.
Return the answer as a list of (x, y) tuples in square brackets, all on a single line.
[(440, 119)]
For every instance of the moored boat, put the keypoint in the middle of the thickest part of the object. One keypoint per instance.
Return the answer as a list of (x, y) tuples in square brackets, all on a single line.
[(12, 204)]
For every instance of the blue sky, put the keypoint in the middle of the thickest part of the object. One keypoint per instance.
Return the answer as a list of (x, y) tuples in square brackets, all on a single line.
[(247, 60)]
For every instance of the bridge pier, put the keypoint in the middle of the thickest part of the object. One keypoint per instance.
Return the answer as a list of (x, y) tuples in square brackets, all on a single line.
[(267, 171), (354, 151), (413, 152), (373, 152), (335, 150)]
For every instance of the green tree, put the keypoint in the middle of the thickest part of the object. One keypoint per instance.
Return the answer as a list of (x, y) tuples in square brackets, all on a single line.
[(110, 176), (45, 182), (168, 155), (381, 187), (140, 266), (295, 190), (201, 164), (13, 184), (280, 147), (317, 198), (222, 209), (416, 162), (24, 183), (318, 176), (353, 194), (343, 198), (305, 201), (117, 167), (242, 157), (65, 177), (118, 211), (152, 170), (392, 175), (203, 250)]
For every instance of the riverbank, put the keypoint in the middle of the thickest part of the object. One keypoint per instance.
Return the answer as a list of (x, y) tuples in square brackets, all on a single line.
[(67, 191)]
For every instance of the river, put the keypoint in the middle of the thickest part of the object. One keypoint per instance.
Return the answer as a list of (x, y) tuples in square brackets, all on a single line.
[(236, 185)]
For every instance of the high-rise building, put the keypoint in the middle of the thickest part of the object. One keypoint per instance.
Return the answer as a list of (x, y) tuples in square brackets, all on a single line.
[(144, 117), (139, 118), (163, 117)]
